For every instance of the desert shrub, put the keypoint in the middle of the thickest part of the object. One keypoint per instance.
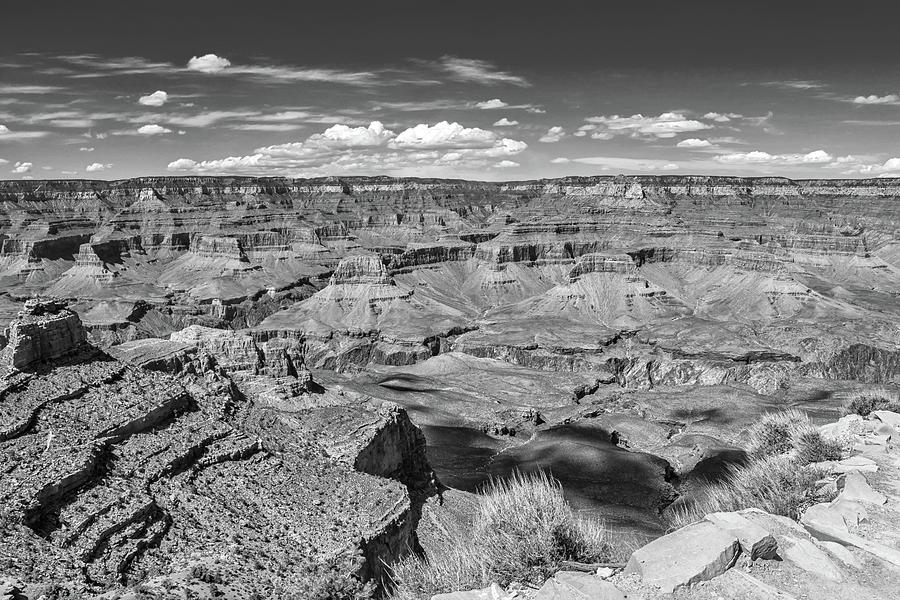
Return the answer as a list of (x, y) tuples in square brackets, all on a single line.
[(777, 484), (522, 530), (811, 447), (863, 403), (774, 433)]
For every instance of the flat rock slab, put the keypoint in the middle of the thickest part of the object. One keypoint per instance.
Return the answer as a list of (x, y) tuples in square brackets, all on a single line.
[(568, 585), (842, 554), (805, 554), (694, 553), (887, 417), (856, 488), (823, 517), (755, 540), (734, 583), (855, 463)]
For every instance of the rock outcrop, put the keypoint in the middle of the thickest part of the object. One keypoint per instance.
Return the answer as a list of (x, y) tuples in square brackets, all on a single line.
[(43, 331)]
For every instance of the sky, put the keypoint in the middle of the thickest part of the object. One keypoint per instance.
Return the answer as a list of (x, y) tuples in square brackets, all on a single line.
[(489, 90)]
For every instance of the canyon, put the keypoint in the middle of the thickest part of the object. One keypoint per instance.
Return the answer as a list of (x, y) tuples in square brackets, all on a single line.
[(255, 377)]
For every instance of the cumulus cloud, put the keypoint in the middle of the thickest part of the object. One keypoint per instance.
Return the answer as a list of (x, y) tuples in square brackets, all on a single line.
[(506, 164), (504, 122), (479, 71), (560, 160), (666, 125), (758, 157), (94, 167), (208, 63), (490, 104), (874, 99), (857, 165), (553, 135), (721, 117), (157, 98), (345, 149), (86, 149), (153, 129), (444, 135), (694, 143), (21, 168)]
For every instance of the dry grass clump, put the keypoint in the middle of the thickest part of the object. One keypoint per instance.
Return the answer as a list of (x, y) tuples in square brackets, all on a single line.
[(777, 478), (775, 484), (864, 402), (522, 531), (774, 433)]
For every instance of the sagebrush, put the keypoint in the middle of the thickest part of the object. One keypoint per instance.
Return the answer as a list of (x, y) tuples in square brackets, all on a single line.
[(522, 530), (864, 402)]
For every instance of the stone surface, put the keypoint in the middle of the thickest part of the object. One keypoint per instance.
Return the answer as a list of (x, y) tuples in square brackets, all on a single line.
[(841, 553), (578, 586), (808, 557), (854, 487), (492, 592), (755, 541), (691, 554), (887, 417)]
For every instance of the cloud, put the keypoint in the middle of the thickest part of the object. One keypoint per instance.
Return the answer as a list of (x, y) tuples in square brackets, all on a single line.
[(22, 168), (553, 135), (29, 89), (103, 67), (504, 122), (757, 157), (490, 104), (6, 134), (85, 149), (694, 143), (204, 119), (721, 117), (856, 165), (873, 99), (560, 160), (666, 125), (213, 64), (444, 135), (273, 127), (208, 63), (355, 137), (157, 98), (374, 148), (795, 84), (507, 164), (478, 71), (3, 161), (153, 129), (94, 167)]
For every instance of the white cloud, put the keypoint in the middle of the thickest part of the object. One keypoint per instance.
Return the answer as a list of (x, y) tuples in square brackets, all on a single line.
[(152, 129), (444, 135), (6, 134), (504, 122), (94, 167), (263, 127), (507, 164), (86, 149), (28, 89), (479, 71), (287, 115), (757, 157), (666, 125), (208, 63), (157, 98), (343, 149), (490, 104), (3, 161), (553, 135), (560, 160), (721, 117), (795, 84), (856, 165), (22, 168), (873, 99), (694, 143), (670, 167)]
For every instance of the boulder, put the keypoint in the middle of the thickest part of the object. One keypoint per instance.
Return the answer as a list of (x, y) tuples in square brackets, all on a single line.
[(42, 331), (755, 541), (856, 488), (888, 417), (568, 585), (820, 518), (804, 554), (842, 554), (855, 463), (846, 426), (694, 553)]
